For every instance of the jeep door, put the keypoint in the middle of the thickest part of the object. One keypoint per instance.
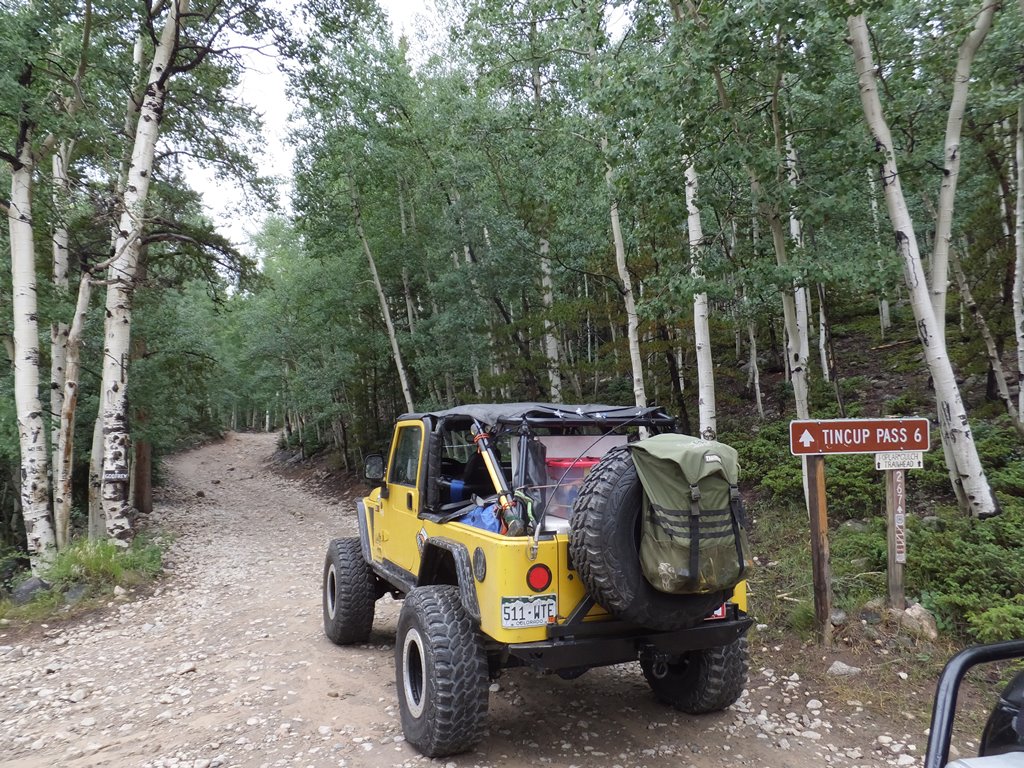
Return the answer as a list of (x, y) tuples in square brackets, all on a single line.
[(399, 516)]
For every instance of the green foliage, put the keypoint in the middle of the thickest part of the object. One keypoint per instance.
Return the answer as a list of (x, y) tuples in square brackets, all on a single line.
[(94, 566), (1002, 454), (102, 564), (970, 573), (1003, 621)]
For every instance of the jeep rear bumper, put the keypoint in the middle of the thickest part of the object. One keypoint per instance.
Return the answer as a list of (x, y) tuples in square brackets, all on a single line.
[(598, 644)]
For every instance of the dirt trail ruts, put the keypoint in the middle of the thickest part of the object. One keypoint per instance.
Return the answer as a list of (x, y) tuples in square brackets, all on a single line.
[(226, 664)]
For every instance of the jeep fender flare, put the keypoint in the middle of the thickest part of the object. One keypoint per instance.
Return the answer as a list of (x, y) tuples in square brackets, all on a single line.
[(364, 530), (439, 551)]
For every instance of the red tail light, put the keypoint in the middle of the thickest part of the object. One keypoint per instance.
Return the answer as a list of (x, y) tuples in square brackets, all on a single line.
[(538, 578)]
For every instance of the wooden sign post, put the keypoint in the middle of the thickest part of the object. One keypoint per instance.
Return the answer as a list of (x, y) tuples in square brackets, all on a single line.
[(897, 444), (821, 570), (896, 519)]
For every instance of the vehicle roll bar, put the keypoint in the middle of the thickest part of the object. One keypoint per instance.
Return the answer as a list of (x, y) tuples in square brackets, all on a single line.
[(948, 687)]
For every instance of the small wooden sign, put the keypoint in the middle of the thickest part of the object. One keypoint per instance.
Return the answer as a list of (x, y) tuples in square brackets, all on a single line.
[(896, 514)]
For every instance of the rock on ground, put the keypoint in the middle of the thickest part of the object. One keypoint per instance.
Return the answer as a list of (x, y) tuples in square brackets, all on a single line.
[(225, 664)]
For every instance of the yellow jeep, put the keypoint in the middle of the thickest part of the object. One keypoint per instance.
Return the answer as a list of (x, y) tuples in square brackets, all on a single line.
[(511, 531)]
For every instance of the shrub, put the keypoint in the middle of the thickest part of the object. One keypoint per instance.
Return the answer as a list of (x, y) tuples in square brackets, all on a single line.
[(98, 566), (103, 563), (970, 573)]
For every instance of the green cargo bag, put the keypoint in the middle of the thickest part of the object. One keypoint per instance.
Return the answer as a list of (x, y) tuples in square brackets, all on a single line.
[(694, 537)]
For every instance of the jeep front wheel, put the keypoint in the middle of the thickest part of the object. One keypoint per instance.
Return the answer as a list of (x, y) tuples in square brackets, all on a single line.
[(698, 682), (440, 673), (349, 593)]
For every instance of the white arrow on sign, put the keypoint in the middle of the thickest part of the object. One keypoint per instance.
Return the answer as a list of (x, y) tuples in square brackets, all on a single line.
[(806, 438)]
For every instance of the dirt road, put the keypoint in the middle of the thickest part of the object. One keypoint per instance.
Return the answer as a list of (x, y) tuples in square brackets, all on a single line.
[(226, 664)]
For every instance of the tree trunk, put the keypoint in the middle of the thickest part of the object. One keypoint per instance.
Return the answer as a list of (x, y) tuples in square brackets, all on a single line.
[(120, 290), (998, 373), (1018, 278), (59, 330), (63, 469), (966, 472), (755, 374), (97, 523), (35, 489), (951, 168), (626, 287), (800, 352), (551, 346), (829, 369), (385, 310), (142, 477), (702, 335), (796, 347)]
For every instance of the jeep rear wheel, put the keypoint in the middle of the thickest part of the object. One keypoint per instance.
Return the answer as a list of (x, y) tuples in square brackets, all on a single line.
[(440, 673), (604, 543), (703, 681), (349, 593)]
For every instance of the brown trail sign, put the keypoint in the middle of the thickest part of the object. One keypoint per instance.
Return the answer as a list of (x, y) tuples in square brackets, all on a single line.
[(812, 438), (897, 444)]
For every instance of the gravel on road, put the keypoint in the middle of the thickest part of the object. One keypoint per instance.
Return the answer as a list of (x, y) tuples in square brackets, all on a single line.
[(225, 663)]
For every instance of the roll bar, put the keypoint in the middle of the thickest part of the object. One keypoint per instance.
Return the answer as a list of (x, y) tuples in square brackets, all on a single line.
[(948, 687)]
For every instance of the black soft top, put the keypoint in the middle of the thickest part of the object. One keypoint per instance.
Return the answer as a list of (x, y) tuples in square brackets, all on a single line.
[(551, 414)]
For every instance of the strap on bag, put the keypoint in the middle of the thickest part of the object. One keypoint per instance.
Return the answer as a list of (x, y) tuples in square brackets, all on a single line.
[(694, 535), (738, 518)]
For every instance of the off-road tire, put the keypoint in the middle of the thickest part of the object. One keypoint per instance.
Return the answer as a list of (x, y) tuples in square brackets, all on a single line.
[(604, 544), (440, 673), (349, 593), (704, 681)]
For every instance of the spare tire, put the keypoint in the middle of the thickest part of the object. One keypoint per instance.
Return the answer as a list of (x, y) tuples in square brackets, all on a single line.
[(604, 544)]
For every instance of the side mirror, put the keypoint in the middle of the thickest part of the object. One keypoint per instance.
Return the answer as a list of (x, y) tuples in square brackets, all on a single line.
[(373, 468)]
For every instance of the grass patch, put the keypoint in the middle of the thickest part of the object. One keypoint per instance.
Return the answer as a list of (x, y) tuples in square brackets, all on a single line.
[(104, 564), (86, 571)]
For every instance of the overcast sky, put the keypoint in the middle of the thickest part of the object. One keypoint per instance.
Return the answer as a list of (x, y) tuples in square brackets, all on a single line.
[(263, 86)]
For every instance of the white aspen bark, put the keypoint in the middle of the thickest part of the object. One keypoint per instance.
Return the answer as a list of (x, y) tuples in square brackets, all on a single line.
[(35, 489), (796, 348), (990, 343), (551, 345), (803, 324), (702, 335), (97, 523), (589, 321), (62, 468), (680, 378), (121, 276), (1018, 277), (755, 373), (826, 374), (796, 232), (966, 472), (410, 309), (632, 320), (951, 167), (385, 310), (59, 329)]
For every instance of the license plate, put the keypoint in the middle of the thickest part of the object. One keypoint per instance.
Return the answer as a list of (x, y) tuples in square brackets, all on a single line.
[(528, 611)]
